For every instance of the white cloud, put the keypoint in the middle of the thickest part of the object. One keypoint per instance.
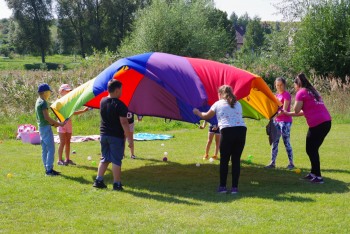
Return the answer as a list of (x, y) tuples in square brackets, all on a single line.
[(5, 12)]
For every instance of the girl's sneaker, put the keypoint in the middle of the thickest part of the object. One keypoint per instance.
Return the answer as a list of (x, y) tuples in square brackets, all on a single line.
[(61, 163), (270, 166), (308, 177), (215, 157), (290, 166), (222, 189), (133, 156), (234, 190), (118, 187), (317, 180), (99, 184)]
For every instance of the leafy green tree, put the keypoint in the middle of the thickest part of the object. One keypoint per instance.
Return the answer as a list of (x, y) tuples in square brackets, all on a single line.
[(95, 24), (179, 27), (5, 47), (34, 19), (254, 37), (218, 19), (243, 21), (234, 19), (72, 24), (322, 39), (120, 16)]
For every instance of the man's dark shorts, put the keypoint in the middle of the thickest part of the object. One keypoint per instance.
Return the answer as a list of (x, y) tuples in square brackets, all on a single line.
[(112, 149)]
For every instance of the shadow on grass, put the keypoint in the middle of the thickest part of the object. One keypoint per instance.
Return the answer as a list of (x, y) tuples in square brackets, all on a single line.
[(336, 171), (174, 182), (82, 180), (161, 197), (79, 179)]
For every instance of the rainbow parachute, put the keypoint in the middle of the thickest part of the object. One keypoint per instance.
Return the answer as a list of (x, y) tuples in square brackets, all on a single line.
[(170, 86)]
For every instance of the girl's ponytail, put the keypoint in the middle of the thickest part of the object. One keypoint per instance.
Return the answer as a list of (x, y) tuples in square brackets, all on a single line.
[(226, 92)]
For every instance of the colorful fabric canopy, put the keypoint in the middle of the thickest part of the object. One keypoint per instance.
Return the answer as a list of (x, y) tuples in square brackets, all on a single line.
[(170, 86)]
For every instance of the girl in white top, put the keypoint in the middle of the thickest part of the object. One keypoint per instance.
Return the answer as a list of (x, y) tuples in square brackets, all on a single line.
[(233, 134)]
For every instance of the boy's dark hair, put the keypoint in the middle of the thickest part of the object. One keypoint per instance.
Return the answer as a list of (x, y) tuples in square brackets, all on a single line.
[(113, 85)]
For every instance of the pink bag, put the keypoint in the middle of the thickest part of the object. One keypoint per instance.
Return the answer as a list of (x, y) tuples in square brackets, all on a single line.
[(24, 128)]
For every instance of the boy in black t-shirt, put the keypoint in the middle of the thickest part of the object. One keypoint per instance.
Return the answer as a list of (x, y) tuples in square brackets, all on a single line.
[(114, 125)]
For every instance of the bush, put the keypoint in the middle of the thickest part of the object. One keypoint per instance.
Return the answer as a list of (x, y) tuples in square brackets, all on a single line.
[(5, 50), (45, 66)]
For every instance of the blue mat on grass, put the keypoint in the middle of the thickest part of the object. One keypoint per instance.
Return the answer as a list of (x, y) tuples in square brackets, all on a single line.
[(150, 137)]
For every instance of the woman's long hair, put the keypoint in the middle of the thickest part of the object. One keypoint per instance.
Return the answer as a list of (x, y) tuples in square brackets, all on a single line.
[(226, 93), (301, 81)]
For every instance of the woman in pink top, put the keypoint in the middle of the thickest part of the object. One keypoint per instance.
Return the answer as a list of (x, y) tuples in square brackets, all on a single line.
[(65, 132), (283, 124), (308, 102)]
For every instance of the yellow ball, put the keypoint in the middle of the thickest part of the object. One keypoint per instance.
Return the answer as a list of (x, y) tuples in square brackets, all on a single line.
[(298, 171), (9, 175)]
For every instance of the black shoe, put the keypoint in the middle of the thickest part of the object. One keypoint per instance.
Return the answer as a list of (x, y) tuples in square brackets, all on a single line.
[(99, 184), (308, 177), (317, 180), (52, 173), (270, 166), (117, 187)]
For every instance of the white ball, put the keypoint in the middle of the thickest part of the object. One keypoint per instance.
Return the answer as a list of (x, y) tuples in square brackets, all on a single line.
[(162, 144), (165, 153), (89, 158), (211, 160), (198, 165)]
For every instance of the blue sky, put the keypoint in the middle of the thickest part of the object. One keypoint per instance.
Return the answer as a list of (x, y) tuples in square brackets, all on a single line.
[(262, 8)]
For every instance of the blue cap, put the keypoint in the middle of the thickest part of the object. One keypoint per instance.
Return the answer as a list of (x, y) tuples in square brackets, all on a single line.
[(43, 87)]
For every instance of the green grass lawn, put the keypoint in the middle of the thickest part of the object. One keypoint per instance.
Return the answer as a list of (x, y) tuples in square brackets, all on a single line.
[(176, 196), (18, 63)]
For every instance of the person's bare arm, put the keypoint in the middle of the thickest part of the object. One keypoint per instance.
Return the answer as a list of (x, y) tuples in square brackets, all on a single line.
[(204, 115), (215, 128), (284, 108), (298, 105), (203, 125), (78, 112), (286, 104), (50, 120), (125, 124)]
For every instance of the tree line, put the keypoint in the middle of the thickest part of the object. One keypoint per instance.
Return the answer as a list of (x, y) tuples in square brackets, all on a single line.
[(315, 37), (189, 28), (80, 24)]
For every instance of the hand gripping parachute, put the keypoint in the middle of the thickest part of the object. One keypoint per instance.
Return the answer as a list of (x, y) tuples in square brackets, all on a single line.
[(170, 86)]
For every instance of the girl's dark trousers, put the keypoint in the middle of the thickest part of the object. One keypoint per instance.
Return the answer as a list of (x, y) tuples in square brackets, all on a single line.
[(231, 147), (314, 140)]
